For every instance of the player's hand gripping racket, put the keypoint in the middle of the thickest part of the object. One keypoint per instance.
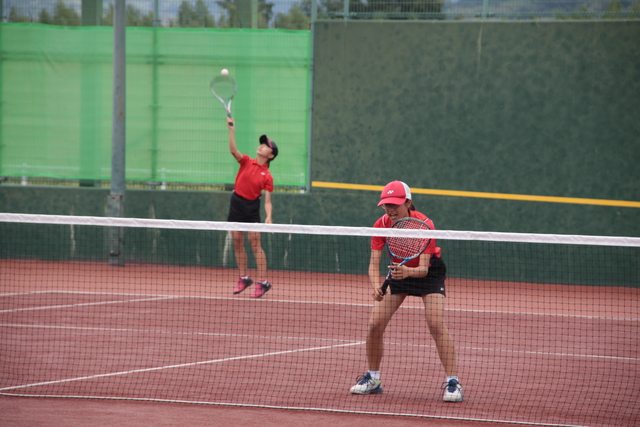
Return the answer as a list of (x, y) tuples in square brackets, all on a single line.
[(224, 88), (405, 248)]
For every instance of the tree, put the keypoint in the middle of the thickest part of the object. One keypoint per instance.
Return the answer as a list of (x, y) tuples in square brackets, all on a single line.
[(634, 11), (614, 10), (14, 16), (194, 16), (45, 17), (297, 19), (62, 15), (65, 15), (299, 16), (134, 17), (233, 18)]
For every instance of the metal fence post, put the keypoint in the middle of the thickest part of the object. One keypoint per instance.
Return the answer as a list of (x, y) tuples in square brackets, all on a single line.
[(115, 204)]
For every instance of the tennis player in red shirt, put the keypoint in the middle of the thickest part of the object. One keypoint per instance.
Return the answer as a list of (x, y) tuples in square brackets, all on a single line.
[(423, 277), (252, 179)]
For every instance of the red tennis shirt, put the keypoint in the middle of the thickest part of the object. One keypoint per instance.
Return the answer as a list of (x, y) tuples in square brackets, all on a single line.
[(377, 242), (252, 178)]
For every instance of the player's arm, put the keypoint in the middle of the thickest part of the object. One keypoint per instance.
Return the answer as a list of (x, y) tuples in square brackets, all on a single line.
[(232, 140), (268, 207), (374, 274)]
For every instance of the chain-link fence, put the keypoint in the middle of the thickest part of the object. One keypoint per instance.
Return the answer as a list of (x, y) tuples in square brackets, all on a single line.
[(296, 14)]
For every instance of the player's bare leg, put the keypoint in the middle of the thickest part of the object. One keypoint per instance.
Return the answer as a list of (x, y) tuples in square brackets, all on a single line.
[(370, 382), (380, 317), (434, 313)]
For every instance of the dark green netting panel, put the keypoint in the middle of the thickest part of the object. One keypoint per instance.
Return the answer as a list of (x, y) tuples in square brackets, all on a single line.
[(56, 92)]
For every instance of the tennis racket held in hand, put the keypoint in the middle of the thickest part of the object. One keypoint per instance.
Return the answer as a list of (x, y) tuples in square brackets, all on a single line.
[(405, 248), (224, 88)]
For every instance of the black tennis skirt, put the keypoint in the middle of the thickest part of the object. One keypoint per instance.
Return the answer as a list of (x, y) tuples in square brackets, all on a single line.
[(243, 210), (432, 283)]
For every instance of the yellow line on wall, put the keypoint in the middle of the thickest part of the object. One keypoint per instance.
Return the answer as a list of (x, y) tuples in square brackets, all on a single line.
[(502, 196)]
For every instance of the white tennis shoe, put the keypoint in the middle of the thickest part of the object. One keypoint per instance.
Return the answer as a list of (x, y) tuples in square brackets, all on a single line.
[(452, 391), (366, 385)]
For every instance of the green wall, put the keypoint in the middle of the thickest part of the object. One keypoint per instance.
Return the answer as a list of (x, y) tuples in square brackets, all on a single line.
[(536, 108)]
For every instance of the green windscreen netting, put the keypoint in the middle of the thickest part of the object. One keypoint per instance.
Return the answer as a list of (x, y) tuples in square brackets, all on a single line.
[(56, 89)]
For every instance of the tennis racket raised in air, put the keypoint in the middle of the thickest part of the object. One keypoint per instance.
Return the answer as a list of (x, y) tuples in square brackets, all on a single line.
[(405, 248), (224, 88)]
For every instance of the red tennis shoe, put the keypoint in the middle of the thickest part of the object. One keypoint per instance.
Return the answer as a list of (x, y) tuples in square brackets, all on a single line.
[(243, 283), (261, 289)]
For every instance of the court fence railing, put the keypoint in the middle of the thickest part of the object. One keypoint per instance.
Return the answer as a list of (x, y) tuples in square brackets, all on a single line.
[(287, 14)]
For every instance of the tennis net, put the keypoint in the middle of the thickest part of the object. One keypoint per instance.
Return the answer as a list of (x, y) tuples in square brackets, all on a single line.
[(546, 327)]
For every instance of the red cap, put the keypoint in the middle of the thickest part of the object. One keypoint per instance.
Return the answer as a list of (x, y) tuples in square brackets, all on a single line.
[(395, 193)]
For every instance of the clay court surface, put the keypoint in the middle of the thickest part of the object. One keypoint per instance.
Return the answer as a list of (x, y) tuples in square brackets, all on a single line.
[(167, 345)]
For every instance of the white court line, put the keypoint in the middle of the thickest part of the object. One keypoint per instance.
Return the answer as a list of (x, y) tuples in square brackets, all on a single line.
[(13, 294), (50, 307), (182, 365), (265, 301), (151, 331), (575, 316), (300, 408), (544, 353), (271, 337)]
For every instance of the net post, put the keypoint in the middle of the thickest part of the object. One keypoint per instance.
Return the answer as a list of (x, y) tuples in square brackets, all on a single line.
[(115, 235)]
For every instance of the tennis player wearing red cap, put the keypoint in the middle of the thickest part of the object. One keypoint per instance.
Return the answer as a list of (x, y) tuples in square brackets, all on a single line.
[(252, 179), (426, 280)]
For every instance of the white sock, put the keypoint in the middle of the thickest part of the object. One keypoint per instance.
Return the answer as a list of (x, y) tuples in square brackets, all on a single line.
[(452, 378), (375, 374)]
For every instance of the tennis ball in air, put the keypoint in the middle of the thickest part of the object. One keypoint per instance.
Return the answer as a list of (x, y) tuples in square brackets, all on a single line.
[(224, 72)]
